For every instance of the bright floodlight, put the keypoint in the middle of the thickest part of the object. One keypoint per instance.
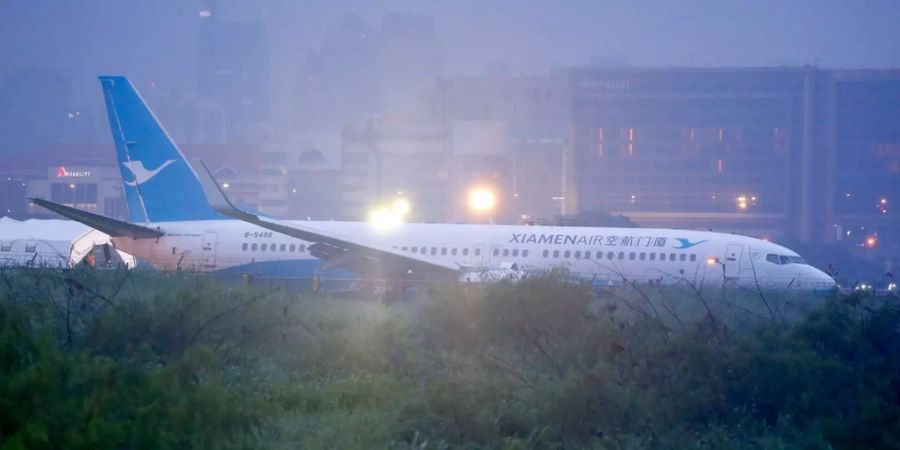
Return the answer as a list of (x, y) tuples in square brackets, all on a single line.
[(482, 200), (401, 207), (383, 218)]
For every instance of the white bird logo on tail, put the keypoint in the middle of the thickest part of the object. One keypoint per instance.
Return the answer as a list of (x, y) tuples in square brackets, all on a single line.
[(141, 174)]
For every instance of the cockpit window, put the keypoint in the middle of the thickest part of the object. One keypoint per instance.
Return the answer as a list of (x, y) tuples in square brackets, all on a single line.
[(784, 259)]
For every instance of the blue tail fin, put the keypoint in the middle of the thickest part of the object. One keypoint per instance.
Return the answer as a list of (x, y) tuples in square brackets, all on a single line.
[(159, 183)]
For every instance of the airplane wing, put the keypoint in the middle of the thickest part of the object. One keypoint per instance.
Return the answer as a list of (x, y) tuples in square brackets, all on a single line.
[(336, 251), (108, 225)]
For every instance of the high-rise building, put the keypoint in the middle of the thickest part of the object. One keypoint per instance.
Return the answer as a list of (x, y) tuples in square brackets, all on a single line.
[(233, 79)]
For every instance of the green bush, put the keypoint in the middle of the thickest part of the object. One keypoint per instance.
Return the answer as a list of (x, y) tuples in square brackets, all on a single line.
[(92, 359)]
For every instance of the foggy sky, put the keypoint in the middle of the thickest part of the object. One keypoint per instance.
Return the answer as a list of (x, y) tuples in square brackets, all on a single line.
[(158, 40)]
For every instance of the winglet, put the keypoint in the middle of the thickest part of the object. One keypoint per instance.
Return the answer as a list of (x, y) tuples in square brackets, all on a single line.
[(216, 197)]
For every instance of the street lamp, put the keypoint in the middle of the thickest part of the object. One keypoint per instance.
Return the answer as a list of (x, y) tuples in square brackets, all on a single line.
[(482, 200)]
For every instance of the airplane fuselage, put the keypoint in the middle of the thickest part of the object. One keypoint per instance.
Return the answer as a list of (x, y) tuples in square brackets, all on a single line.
[(604, 255)]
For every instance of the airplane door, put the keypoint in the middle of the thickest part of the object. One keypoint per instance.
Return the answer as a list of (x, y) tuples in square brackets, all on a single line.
[(208, 252), (733, 255)]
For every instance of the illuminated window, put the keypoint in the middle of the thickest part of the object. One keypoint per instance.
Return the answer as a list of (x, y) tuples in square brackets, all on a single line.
[(244, 246)]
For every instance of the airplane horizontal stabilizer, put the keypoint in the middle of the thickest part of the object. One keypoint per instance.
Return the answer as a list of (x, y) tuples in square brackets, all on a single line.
[(110, 226)]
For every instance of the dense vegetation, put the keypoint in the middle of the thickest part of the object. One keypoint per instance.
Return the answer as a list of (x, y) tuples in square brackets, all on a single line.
[(141, 360)]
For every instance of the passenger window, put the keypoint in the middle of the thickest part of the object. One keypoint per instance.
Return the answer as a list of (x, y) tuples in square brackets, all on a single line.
[(253, 247), (505, 252), (443, 251), (567, 254), (610, 255), (556, 253), (577, 254), (283, 247), (622, 255), (434, 250), (671, 257), (515, 252), (524, 253), (272, 248), (244, 246), (263, 247), (600, 255), (682, 257), (453, 251), (693, 257), (631, 256), (545, 253), (404, 248), (292, 248), (496, 252), (643, 256), (6, 247), (587, 255), (303, 248), (415, 249), (466, 251)]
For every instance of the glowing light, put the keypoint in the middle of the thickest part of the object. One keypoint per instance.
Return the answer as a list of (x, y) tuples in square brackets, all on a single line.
[(72, 186), (883, 201), (482, 200), (384, 219), (226, 185), (401, 207), (712, 260), (871, 241), (204, 13)]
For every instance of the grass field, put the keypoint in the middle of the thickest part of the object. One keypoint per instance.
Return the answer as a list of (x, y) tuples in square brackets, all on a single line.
[(99, 359)]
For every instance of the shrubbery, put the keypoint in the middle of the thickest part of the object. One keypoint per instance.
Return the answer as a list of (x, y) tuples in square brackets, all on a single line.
[(136, 360)]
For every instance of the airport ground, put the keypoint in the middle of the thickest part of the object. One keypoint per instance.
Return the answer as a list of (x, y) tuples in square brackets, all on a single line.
[(134, 359)]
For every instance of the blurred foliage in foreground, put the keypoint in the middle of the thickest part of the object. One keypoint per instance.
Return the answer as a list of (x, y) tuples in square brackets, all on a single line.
[(139, 360)]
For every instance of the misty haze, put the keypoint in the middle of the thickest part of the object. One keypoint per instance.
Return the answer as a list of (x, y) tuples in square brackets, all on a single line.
[(421, 224)]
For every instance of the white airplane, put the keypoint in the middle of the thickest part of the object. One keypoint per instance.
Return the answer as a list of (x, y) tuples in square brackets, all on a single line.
[(178, 220)]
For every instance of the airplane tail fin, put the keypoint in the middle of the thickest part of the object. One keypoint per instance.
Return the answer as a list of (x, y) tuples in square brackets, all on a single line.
[(159, 183)]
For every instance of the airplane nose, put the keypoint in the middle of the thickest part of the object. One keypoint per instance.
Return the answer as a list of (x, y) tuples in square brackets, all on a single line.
[(820, 279)]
